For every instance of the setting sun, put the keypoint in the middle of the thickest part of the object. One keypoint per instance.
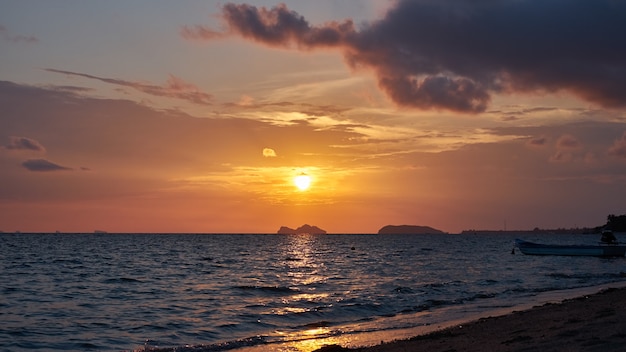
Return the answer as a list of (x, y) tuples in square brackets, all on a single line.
[(302, 181)]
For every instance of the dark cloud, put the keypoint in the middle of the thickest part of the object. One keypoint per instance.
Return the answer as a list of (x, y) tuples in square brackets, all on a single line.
[(458, 94), (277, 26), (456, 54), (23, 143), (175, 87), (43, 165), (538, 142)]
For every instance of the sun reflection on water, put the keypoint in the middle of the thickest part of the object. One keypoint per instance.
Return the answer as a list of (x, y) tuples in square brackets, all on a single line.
[(304, 269), (310, 340)]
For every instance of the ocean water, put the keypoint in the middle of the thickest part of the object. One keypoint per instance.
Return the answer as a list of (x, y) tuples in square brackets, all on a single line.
[(115, 292)]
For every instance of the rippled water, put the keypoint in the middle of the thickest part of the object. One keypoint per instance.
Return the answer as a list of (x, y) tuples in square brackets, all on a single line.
[(115, 292)]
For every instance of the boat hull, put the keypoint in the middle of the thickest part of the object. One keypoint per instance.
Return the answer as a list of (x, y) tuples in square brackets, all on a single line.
[(531, 248)]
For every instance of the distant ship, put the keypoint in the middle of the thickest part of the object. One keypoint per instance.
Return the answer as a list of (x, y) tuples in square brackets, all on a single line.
[(609, 247)]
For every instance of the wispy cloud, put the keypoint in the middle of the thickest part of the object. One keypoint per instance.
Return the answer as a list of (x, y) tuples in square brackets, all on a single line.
[(455, 54), (174, 87), (16, 38), (24, 143), (200, 33), (43, 165)]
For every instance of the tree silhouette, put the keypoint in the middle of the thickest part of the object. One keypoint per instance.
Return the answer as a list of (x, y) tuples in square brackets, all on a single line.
[(616, 223)]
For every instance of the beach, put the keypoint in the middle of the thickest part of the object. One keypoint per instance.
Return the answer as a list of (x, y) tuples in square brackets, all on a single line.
[(594, 322)]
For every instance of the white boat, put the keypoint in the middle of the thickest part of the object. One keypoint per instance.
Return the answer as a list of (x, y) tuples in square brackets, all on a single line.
[(600, 250)]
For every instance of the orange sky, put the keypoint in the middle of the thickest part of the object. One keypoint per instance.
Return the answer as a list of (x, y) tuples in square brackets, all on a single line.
[(165, 118)]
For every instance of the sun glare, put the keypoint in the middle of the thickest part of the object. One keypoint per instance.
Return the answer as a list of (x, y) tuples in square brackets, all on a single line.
[(302, 181)]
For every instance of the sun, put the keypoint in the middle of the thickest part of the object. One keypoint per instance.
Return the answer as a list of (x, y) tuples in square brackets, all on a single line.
[(302, 181)]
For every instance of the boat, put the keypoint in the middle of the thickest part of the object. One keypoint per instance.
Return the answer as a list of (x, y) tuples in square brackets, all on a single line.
[(600, 250)]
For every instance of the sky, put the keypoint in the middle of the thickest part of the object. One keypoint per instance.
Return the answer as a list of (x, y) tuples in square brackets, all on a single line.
[(197, 116)]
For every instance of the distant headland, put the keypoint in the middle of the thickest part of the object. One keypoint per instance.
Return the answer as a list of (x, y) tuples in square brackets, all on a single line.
[(408, 229), (306, 228)]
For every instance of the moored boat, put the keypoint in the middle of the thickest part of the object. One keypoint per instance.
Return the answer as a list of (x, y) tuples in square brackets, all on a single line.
[(601, 250)]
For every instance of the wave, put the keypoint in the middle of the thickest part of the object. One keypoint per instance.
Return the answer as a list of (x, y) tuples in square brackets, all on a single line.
[(222, 346), (292, 259), (267, 289), (67, 261), (584, 276), (121, 280)]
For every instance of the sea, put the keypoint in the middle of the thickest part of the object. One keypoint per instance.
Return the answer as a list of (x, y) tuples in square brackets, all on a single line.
[(268, 292)]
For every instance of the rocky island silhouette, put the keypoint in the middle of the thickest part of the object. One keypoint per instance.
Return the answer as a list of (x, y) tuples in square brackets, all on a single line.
[(408, 229), (304, 229)]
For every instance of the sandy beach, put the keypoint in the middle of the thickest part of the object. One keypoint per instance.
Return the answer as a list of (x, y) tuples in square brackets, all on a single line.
[(589, 323)]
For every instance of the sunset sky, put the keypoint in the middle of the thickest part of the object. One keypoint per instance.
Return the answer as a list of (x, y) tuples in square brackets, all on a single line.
[(197, 116)]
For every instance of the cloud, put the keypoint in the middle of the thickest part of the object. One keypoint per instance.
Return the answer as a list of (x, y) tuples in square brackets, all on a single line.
[(269, 153), (618, 149), (16, 38), (130, 136), (43, 165), (24, 143), (199, 33), (566, 145), (278, 26), (537, 142), (567, 142), (458, 54), (175, 87), (562, 157)]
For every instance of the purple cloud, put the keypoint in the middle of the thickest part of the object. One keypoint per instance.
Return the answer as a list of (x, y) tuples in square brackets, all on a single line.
[(456, 54), (24, 143), (42, 165)]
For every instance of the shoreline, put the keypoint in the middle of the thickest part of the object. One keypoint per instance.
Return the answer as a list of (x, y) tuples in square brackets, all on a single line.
[(589, 322)]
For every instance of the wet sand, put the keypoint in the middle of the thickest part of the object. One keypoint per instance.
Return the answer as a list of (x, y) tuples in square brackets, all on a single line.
[(589, 323)]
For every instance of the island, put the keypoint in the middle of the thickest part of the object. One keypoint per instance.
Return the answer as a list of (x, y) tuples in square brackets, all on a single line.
[(408, 229), (304, 229)]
